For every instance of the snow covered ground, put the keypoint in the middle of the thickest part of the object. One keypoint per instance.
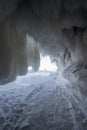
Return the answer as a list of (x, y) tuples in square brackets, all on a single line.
[(39, 101)]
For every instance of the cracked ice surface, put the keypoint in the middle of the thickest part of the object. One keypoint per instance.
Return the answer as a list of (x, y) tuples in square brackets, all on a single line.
[(37, 102)]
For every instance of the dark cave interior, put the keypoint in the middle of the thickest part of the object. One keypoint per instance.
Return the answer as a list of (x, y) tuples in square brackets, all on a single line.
[(54, 28)]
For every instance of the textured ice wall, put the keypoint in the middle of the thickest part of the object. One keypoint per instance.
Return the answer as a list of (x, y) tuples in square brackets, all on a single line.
[(58, 25)]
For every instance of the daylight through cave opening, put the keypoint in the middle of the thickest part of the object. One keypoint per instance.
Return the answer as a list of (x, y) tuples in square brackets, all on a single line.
[(49, 37)]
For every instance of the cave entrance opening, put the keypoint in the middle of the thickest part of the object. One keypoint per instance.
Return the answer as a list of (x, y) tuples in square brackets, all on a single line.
[(45, 65), (37, 60)]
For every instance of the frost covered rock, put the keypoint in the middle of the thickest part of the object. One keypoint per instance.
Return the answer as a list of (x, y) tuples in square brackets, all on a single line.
[(75, 73)]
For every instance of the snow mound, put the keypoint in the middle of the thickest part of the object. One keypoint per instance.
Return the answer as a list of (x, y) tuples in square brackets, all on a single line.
[(37, 102)]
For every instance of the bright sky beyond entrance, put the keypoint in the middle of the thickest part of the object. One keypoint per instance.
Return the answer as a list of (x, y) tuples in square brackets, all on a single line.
[(46, 64)]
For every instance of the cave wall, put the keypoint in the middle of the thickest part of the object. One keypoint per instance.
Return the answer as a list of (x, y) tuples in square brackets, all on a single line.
[(59, 26), (18, 51)]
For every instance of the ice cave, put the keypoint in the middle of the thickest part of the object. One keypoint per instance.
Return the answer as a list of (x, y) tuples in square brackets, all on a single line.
[(43, 64)]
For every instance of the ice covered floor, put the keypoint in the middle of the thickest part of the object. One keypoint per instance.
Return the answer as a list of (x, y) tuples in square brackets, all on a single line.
[(38, 101)]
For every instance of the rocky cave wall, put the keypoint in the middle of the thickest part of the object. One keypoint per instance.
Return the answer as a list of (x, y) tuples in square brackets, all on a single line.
[(59, 26)]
